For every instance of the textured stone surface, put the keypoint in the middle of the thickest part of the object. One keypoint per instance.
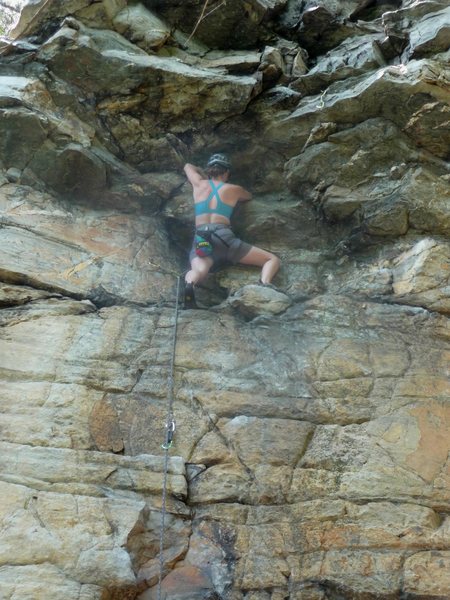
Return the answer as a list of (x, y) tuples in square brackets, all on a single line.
[(139, 94), (77, 512), (80, 253), (426, 574), (234, 25), (35, 13), (254, 300), (422, 277), (355, 101), (53, 146), (310, 456), (142, 27), (351, 58), (430, 35)]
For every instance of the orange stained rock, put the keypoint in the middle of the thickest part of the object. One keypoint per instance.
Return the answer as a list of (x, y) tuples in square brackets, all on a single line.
[(187, 578), (429, 459)]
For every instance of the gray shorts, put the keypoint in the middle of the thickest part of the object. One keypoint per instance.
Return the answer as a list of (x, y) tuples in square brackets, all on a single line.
[(227, 248)]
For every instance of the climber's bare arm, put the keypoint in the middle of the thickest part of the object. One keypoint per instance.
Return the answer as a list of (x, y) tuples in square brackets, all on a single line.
[(243, 194), (194, 174)]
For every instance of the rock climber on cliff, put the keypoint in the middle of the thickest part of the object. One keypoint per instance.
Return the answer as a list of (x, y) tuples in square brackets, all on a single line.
[(214, 242)]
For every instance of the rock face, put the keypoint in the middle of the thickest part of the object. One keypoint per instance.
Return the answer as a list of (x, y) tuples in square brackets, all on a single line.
[(310, 456)]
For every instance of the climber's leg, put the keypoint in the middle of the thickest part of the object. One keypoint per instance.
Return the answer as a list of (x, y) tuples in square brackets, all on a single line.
[(261, 258), (200, 268)]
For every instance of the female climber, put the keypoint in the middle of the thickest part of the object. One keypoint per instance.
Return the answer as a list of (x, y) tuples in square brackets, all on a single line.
[(214, 241)]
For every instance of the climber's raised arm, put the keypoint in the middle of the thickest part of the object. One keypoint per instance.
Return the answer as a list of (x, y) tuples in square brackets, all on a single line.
[(194, 174)]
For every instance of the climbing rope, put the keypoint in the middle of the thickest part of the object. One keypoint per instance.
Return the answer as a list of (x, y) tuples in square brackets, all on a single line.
[(169, 433)]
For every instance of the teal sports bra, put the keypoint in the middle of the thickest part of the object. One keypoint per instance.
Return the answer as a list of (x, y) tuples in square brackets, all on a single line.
[(223, 209)]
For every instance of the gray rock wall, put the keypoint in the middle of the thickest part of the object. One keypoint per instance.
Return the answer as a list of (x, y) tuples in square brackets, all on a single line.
[(310, 458)]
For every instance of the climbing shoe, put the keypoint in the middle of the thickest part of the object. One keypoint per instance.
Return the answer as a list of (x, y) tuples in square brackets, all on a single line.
[(189, 296)]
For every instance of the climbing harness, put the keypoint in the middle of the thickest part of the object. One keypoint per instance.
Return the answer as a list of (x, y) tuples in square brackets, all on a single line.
[(203, 240), (169, 434), (203, 246)]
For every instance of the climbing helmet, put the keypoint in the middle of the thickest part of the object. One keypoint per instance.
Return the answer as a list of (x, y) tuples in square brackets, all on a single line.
[(219, 159)]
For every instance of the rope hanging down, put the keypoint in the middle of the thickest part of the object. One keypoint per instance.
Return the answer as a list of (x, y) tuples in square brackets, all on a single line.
[(170, 431)]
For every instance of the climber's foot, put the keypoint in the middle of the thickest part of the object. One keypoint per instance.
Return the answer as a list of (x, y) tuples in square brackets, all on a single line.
[(189, 296)]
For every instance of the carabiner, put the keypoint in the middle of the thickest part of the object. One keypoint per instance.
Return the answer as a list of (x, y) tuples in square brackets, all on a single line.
[(170, 431)]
